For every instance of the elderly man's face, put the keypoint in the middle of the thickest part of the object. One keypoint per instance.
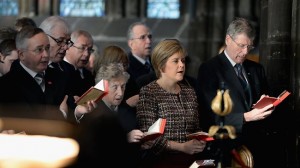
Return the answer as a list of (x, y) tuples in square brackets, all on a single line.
[(238, 47), (116, 91)]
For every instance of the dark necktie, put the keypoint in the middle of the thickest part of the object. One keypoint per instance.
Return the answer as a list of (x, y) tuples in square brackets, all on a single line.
[(240, 75), (79, 73), (147, 66), (39, 78), (243, 81)]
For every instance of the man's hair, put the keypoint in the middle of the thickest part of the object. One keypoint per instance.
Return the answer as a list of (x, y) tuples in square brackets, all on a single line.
[(24, 21), (241, 26), (75, 34), (130, 29), (7, 46), (24, 34), (52, 22), (110, 71), (7, 33)]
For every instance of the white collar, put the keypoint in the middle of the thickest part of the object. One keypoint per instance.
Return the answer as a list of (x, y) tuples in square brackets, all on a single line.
[(31, 72)]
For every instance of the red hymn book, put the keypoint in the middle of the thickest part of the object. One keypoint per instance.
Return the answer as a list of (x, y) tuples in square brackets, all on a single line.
[(95, 93), (263, 102), (155, 130), (200, 136)]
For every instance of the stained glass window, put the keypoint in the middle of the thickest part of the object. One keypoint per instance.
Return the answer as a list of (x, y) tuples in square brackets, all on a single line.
[(82, 8), (163, 9), (9, 7)]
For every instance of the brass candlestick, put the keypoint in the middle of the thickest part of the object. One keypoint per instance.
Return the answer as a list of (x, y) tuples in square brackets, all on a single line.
[(222, 106)]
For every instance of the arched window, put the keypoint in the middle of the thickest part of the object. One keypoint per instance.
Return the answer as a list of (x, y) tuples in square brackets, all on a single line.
[(9, 7), (163, 9), (82, 8)]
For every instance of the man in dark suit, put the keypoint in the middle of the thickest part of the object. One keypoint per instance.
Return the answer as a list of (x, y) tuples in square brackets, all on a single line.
[(113, 106), (219, 73), (139, 42), (24, 96), (58, 32), (79, 79)]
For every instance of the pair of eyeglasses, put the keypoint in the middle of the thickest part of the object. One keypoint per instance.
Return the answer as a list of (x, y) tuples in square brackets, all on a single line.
[(243, 46), (62, 42), (40, 49), (82, 49), (143, 37)]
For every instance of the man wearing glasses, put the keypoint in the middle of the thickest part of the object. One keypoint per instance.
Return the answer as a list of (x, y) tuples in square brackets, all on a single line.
[(30, 89), (79, 79), (139, 42), (247, 82), (58, 33)]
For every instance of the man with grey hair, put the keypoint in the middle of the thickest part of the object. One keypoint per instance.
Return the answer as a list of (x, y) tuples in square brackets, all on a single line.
[(247, 82), (58, 32), (140, 43), (30, 89), (79, 79), (111, 105)]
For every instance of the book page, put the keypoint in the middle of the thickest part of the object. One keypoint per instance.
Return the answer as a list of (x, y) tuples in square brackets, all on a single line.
[(155, 130), (155, 127), (203, 163), (100, 85)]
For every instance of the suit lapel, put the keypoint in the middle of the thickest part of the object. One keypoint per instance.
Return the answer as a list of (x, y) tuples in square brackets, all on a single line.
[(29, 87), (232, 80)]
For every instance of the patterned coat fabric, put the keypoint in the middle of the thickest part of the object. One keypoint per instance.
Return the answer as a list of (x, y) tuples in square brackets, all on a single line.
[(181, 112)]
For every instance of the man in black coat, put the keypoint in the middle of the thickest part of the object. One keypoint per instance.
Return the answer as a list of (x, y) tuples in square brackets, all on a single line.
[(22, 95), (245, 90), (139, 42), (79, 79)]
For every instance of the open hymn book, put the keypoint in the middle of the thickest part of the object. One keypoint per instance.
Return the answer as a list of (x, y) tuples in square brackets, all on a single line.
[(95, 93), (155, 130), (263, 102)]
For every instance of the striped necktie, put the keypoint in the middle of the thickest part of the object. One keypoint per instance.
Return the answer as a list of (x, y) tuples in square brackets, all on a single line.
[(240, 75), (147, 66), (39, 78), (239, 71)]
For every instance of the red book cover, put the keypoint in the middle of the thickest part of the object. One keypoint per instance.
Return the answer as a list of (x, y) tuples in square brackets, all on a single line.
[(200, 136), (155, 130), (271, 100), (95, 93)]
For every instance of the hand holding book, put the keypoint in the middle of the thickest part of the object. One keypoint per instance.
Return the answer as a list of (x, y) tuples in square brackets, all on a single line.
[(200, 136), (266, 100), (95, 93), (155, 130)]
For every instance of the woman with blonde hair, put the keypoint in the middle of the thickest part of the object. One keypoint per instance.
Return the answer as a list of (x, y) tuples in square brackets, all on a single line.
[(168, 98)]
